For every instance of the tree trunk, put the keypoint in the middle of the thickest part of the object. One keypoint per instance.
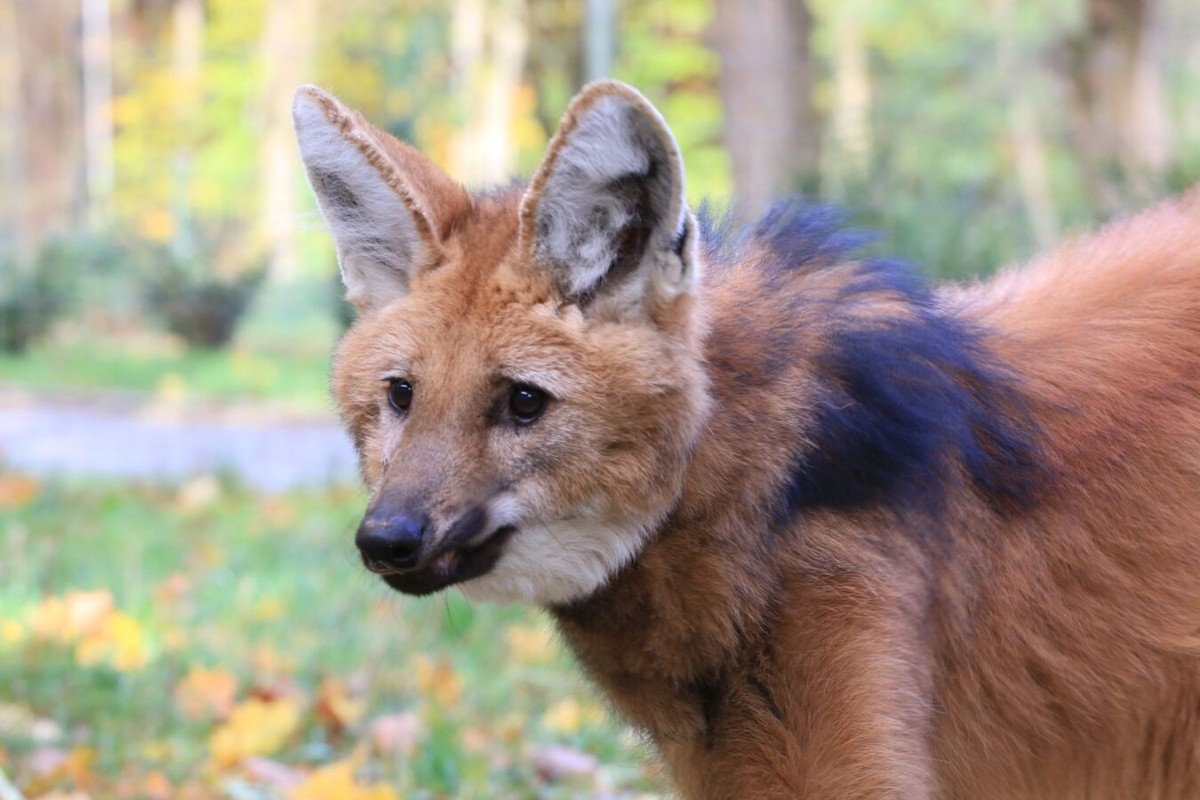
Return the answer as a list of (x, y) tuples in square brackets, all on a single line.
[(288, 44), (490, 41), (1122, 133), (1025, 136), (97, 105), (187, 56), (766, 84), (11, 172), (851, 120), (47, 136)]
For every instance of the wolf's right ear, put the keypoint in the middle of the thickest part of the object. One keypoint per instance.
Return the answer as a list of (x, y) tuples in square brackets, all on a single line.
[(387, 206), (605, 213)]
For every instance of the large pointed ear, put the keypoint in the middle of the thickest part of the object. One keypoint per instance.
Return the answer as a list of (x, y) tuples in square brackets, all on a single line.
[(387, 206), (605, 212)]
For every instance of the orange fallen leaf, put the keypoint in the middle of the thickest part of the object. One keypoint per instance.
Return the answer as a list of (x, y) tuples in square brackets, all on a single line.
[(255, 728), (119, 642), (156, 786), (438, 679), (336, 782), (72, 616), (338, 707), (17, 491), (52, 766), (206, 693)]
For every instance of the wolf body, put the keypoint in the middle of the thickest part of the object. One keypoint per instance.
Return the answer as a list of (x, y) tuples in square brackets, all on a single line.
[(817, 530)]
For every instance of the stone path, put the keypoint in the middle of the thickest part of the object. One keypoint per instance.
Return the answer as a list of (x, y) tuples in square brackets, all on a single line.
[(145, 442)]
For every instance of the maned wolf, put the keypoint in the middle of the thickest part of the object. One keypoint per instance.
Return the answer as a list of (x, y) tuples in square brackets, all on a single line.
[(819, 531)]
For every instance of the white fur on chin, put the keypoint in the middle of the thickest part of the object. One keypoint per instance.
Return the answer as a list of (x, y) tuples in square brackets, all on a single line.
[(550, 563)]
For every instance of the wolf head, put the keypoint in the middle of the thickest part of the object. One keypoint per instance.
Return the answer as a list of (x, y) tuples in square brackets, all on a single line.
[(524, 382)]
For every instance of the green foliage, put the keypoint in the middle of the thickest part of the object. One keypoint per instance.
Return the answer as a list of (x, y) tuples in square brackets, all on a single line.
[(662, 51), (201, 309), (34, 295)]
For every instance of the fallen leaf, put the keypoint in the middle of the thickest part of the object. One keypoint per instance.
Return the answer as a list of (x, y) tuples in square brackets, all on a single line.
[(17, 491), (119, 642), (569, 715), (72, 616), (336, 782), (255, 728), (338, 707), (206, 693), (156, 786), (439, 680), (52, 765)]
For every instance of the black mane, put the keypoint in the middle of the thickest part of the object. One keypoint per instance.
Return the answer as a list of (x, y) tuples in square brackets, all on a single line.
[(906, 397)]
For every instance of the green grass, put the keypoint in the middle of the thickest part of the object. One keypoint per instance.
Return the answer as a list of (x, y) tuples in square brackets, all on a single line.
[(299, 380), (268, 588)]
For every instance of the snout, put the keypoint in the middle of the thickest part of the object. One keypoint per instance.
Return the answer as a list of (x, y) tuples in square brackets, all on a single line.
[(417, 555), (390, 538)]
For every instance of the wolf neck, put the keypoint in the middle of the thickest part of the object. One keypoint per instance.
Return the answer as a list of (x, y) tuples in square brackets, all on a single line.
[(838, 387)]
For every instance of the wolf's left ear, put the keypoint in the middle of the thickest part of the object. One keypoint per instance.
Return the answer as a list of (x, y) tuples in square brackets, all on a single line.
[(387, 205), (605, 212)]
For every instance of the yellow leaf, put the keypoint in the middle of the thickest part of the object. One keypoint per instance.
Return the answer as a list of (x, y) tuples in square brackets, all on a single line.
[(336, 782), (567, 716), (563, 717), (337, 707), (119, 642), (72, 616), (438, 679), (11, 632), (206, 692), (255, 728)]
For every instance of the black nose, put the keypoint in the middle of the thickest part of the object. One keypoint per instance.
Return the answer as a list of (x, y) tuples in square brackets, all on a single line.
[(388, 538)]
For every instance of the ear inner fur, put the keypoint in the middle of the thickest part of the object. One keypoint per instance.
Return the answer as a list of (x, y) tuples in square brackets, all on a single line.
[(429, 199), (612, 170)]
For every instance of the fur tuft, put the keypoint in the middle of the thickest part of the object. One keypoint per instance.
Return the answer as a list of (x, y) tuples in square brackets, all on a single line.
[(908, 400)]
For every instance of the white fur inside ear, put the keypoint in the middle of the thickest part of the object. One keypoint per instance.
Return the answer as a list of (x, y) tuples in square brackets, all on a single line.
[(379, 245), (617, 169)]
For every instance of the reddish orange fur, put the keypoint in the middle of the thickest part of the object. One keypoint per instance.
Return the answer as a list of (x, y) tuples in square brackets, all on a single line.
[(1052, 651)]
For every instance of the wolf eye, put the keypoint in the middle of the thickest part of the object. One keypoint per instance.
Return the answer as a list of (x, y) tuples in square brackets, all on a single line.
[(526, 403), (399, 395)]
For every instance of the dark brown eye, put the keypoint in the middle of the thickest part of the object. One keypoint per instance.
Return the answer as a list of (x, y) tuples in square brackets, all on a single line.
[(400, 395), (526, 403)]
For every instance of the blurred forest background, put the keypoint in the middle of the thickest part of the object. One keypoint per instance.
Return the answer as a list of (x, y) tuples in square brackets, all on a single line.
[(148, 141), (179, 627)]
